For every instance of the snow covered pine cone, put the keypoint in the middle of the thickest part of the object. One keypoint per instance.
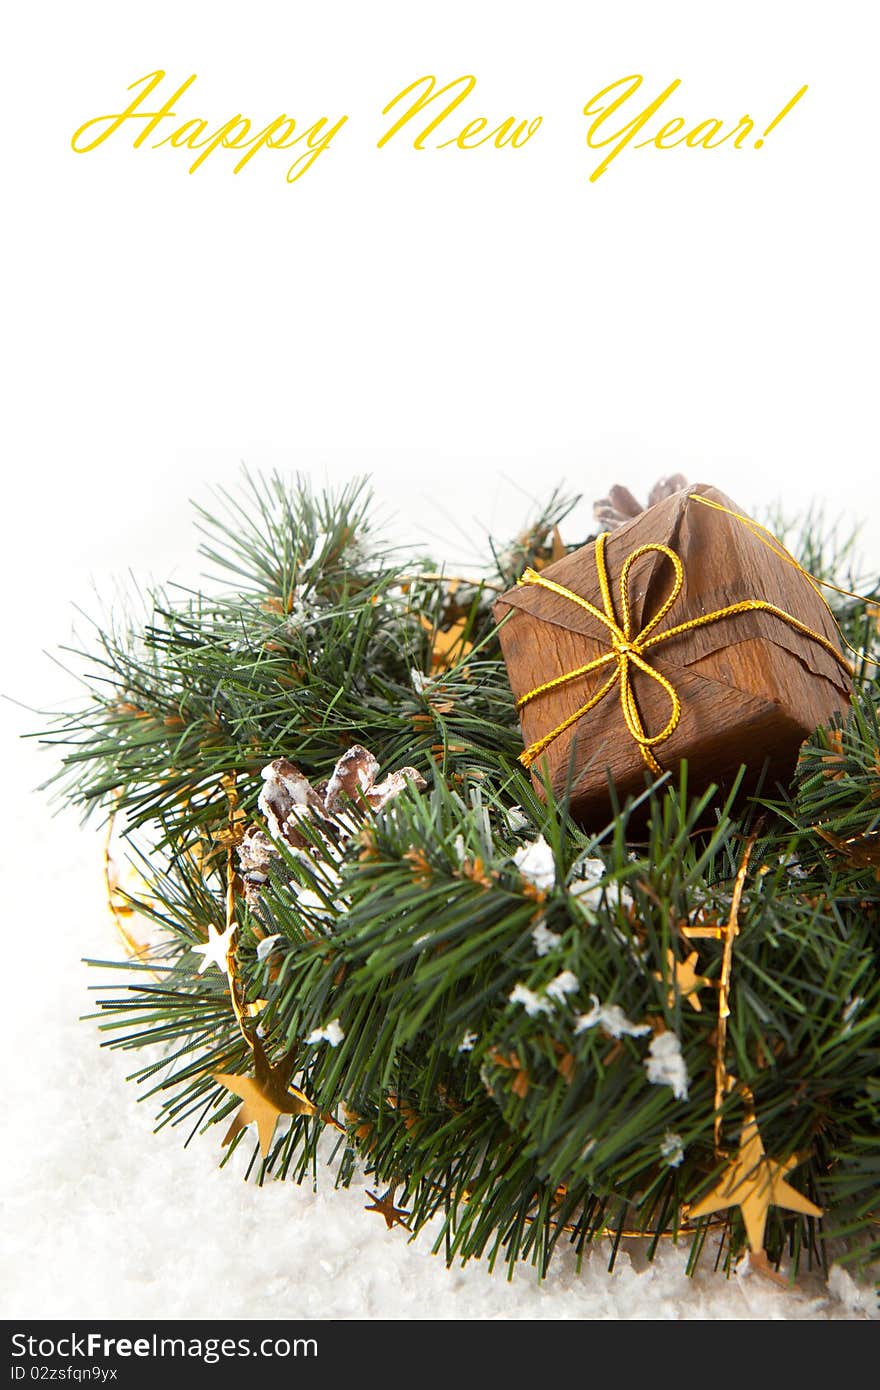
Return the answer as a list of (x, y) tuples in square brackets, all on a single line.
[(294, 809)]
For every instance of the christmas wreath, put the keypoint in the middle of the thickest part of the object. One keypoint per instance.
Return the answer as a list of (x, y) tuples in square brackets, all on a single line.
[(358, 924)]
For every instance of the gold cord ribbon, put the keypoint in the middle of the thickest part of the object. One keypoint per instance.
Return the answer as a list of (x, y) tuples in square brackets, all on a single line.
[(630, 649)]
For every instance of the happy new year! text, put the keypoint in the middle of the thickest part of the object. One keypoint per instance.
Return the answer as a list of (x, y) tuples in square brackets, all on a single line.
[(425, 114)]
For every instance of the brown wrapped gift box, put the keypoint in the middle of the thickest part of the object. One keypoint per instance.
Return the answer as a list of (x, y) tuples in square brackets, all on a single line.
[(751, 687)]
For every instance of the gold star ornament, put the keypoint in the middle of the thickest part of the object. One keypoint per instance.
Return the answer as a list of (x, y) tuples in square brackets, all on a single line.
[(754, 1183), (448, 645), (394, 1216), (687, 982), (266, 1096)]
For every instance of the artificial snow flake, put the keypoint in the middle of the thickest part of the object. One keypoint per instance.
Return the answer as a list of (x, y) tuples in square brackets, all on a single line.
[(849, 1013), (591, 871), (588, 890), (267, 945), (611, 1019), (666, 1066), (588, 895), (419, 680), (544, 939), (311, 903), (301, 613), (459, 848), (331, 1033), (536, 864), (672, 1148), (316, 552), (619, 893), (533, 1003), (516, 819), (468, 1042), (565, 983), (794, 866)]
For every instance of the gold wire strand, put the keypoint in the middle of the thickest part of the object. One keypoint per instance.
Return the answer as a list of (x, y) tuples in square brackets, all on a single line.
[(766, 537), (723, 1079), (613, 1232), (135, 950), (569, 676), (535, 749), (231, 791), (436, 576), (751, 605)]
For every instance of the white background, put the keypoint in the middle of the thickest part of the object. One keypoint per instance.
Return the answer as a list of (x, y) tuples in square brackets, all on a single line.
[(470, 327)]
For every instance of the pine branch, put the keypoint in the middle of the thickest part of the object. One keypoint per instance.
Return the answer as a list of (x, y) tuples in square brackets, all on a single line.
[(497, 977)]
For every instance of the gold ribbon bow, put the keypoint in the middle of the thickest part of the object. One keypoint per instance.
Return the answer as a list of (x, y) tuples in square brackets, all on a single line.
[(629, 649)]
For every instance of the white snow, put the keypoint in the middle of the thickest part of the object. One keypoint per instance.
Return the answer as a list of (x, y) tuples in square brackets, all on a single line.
[(267, 945), (544, 939), (331, 1032), (533, 1003), (536, 864), (611, 1018), (565, 983), (666, 1066), (588, 889), (672, 1149)]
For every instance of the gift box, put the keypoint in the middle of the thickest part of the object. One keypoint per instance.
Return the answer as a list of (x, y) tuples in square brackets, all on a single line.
[(686, 633)]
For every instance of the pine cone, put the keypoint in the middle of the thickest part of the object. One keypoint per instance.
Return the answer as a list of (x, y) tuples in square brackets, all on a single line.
[(620, 505), (255, 854)]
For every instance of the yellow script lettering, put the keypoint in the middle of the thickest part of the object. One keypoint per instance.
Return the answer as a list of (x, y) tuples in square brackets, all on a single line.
[(112, 123), (626, 132), (472, 135)]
